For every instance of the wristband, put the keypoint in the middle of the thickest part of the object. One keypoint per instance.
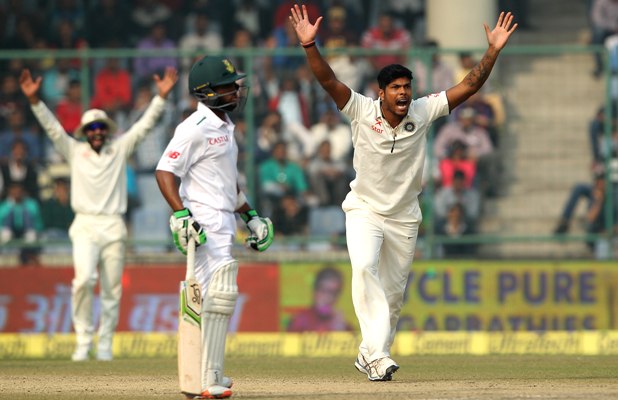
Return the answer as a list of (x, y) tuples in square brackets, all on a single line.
[(182, 213), (247, 216), (309, 44)]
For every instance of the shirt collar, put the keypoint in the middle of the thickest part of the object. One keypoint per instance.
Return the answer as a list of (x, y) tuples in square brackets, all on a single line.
[(211, 117)]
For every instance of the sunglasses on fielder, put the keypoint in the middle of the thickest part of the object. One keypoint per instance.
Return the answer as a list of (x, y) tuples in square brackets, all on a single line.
[(96, 125)]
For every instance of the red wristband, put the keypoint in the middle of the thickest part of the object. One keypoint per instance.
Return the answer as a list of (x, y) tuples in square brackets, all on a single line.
[(309, 44)]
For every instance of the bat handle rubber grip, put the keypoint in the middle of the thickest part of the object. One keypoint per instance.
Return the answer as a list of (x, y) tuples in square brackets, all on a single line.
[(190, 259)]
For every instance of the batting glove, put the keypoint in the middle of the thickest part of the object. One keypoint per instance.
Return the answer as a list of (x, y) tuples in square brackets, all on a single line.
[(183, 227), (262, 231)]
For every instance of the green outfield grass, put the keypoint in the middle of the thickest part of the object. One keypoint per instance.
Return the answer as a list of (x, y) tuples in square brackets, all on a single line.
[(420, 377)]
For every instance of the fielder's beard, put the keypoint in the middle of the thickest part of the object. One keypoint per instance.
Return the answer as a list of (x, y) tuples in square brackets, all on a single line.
[(94, 141)]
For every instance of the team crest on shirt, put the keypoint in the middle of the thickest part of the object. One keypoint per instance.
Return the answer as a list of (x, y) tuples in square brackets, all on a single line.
[(377, 126), (409, 126)]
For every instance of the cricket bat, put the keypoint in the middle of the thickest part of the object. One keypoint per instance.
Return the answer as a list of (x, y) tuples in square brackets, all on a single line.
[(189, 335)]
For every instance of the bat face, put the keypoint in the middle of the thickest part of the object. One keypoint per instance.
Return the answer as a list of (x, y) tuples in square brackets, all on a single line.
[(189, 337), (190, 300)]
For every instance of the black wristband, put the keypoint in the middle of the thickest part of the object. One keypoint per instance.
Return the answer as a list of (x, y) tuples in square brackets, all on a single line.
[(307, 45)]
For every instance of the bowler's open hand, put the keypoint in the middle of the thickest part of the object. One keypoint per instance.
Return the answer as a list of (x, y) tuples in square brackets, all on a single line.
[(498, 37), (305, 30)]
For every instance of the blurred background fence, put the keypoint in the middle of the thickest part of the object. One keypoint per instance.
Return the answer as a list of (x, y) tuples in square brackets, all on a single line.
[(541, 111), (525, 179)]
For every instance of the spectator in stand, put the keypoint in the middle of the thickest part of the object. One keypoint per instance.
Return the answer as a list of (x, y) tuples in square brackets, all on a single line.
[(269, 133), (145, 14), (242, 39), (457, 161), (112, 88), (479, 145), (254, 17), (456, 225), (386, 35), (594, 194), (604, 20), (466, 63), (9, 100), (69, 109), (56, 211), (65, 37), (284, 37), (485, 115), (17, 169), (295, 112), (441, 73), (20, 218), (56, 81), (601, 150), (145, 67), (67, 10), (337, 35), (441, 77), (282, 11), (279, 175), (18, 130), (329, 179), (322, 315), (330, 127), (291, 216), (290, 102), (459, 192), (201, 39), (25, 35), (108, 22), (413, 13)]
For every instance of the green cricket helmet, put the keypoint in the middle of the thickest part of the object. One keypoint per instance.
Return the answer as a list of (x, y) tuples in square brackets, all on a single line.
[(211, 72)]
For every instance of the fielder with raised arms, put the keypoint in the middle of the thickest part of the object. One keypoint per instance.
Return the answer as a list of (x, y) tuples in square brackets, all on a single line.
[(203, 154), (99, 199), (382, 211)]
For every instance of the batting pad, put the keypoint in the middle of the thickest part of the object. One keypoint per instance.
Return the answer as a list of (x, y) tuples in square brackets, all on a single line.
[(218, 306), (222, 292)]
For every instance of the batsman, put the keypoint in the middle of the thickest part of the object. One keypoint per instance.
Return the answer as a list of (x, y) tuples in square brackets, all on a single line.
[(202, 155)]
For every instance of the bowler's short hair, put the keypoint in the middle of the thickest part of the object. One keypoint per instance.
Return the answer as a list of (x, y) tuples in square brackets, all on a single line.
[(392, 72)]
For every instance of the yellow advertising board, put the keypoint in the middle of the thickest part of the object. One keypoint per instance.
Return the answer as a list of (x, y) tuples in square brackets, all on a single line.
[(484, 296), (159, 345)]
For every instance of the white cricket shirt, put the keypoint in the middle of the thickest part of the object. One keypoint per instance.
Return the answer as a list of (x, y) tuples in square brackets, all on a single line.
[(389, 161), (98, 181), (203, 154)]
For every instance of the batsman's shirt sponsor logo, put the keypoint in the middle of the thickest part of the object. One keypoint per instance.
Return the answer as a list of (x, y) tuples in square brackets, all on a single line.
[(218, 140)]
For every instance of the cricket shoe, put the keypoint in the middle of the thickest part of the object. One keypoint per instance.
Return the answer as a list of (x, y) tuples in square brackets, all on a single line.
[(216, 392), (225, 382), (81, 353), (104, 355), (381, 369)]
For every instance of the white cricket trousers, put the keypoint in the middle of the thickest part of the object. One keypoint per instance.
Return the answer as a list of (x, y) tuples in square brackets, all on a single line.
[(98, 252), (381, 252)]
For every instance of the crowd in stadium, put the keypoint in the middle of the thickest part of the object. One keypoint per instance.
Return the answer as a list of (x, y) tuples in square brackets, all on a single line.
[(303, 146)]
